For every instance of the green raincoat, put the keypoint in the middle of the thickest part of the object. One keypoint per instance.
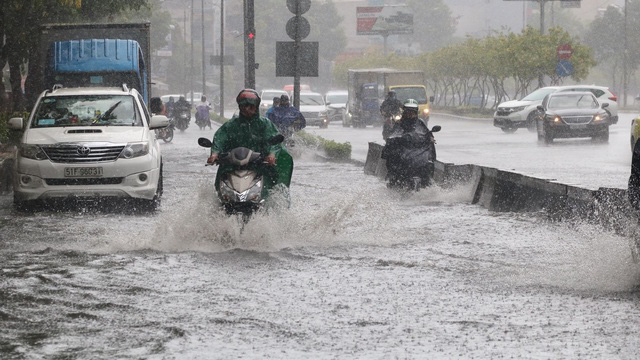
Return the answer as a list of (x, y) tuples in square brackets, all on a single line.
[(254, 133)]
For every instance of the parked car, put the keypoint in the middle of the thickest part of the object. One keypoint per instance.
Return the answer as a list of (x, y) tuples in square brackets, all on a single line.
[(514, 114), (572, 114), (266, 99), (336, 101), (89, 143), (313, 107)]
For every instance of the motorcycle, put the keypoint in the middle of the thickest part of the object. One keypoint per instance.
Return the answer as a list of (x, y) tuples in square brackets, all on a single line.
[(182, 119), (389, 121), (241, 189), (166, 134), (410, 158), (202, 117)]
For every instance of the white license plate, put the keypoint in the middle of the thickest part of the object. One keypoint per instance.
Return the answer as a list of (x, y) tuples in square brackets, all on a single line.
[(83, 172), (578, 126)]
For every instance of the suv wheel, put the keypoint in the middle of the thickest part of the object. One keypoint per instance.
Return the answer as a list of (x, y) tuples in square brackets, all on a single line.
[(532, 121), (509, 130)]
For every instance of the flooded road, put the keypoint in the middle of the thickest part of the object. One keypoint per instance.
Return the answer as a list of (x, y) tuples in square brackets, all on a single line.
[(351, 270)]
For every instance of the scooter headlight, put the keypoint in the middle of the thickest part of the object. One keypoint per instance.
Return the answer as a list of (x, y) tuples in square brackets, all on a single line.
[(397, 118)]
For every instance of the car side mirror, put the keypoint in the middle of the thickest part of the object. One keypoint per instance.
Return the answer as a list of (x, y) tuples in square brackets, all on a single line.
[(436, 128), (16, 123), (605, 105), (432, 98), (158, 122), (328, 103), (540, 107)]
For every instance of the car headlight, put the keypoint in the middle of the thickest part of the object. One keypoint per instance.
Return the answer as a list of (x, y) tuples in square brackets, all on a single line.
[(600, 117), (426, 111), (133, 150), (34, 152)]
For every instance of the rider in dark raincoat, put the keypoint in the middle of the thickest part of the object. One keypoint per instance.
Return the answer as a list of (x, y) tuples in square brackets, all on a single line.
[(250, 130)]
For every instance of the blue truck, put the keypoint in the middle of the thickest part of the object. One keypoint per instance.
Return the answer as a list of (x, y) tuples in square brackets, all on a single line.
[(87, 55)]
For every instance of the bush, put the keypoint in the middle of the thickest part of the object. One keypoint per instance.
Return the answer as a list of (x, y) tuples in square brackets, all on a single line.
[(331, 149)]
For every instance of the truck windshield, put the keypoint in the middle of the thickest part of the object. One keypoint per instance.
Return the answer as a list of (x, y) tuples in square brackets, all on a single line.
[(86, 110), (419, 94)]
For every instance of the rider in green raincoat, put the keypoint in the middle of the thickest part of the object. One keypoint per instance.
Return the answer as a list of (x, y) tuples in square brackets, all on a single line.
[(250, 130)]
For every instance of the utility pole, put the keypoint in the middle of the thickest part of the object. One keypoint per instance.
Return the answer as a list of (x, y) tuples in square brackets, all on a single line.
[(191, 42), (204, 64), (625, 80), (249, 46), (221, 58)]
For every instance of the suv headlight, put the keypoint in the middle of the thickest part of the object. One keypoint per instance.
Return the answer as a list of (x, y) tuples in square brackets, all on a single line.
[(133, 150), (34, 152), (518, 109)]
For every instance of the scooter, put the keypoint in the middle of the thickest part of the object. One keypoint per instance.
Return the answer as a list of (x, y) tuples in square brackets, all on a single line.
[(166, 134), (389, 121), (182, 119), (241, 189), (410, 159)]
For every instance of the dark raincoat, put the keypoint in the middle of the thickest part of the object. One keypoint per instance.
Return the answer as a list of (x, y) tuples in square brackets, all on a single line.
[(254, 133)]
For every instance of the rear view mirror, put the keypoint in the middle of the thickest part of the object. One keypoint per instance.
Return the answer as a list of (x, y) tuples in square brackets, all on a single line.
[(605, 105), (204, 142), (158, 122), (436, 128), (540, 107), (276, 139), (16, 123)]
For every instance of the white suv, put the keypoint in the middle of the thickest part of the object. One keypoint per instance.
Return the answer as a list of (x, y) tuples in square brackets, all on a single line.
[(515, 114), (89, 143)]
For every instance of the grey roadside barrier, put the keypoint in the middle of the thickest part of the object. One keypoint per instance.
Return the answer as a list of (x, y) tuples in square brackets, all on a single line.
[(506, 191)]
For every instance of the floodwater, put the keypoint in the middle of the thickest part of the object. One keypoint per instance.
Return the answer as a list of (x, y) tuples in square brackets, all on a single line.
[(351, 270)]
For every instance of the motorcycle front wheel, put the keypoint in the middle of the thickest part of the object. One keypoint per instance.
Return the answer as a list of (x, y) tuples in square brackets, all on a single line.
[(168, 135)]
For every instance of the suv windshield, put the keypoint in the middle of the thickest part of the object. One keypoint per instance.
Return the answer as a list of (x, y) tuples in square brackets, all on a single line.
[(309, 99), (572, 101), (539, 94), (86, 110), (337, 99)]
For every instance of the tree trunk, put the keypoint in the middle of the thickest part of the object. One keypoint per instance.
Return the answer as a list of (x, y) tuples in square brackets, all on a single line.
[(17, 99)]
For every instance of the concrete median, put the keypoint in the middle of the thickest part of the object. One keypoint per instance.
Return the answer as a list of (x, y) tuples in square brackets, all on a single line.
[(507, 191)]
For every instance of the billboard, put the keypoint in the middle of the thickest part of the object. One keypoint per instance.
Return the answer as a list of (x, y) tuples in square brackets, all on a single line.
[(384, 20)]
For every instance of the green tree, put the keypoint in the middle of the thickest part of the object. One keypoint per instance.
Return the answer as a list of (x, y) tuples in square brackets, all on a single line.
[(433, 23)]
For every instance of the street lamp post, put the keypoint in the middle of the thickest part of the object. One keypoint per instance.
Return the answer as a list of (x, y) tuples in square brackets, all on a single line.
[(221, 58)]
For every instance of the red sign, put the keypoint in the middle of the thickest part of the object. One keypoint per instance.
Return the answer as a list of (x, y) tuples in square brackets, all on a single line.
[(564, 51)]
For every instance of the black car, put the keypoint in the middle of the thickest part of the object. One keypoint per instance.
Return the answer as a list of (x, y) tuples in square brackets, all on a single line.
[(572, 114)]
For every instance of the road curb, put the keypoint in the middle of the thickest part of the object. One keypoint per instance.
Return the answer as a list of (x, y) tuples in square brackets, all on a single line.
[(506, 191)]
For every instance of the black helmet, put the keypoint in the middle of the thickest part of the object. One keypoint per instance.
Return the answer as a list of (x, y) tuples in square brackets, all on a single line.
[(248, 97), (284, 99), (391, 94), (276, 99)]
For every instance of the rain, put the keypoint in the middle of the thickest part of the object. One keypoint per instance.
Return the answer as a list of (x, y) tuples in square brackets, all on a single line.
[(116, 243)]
